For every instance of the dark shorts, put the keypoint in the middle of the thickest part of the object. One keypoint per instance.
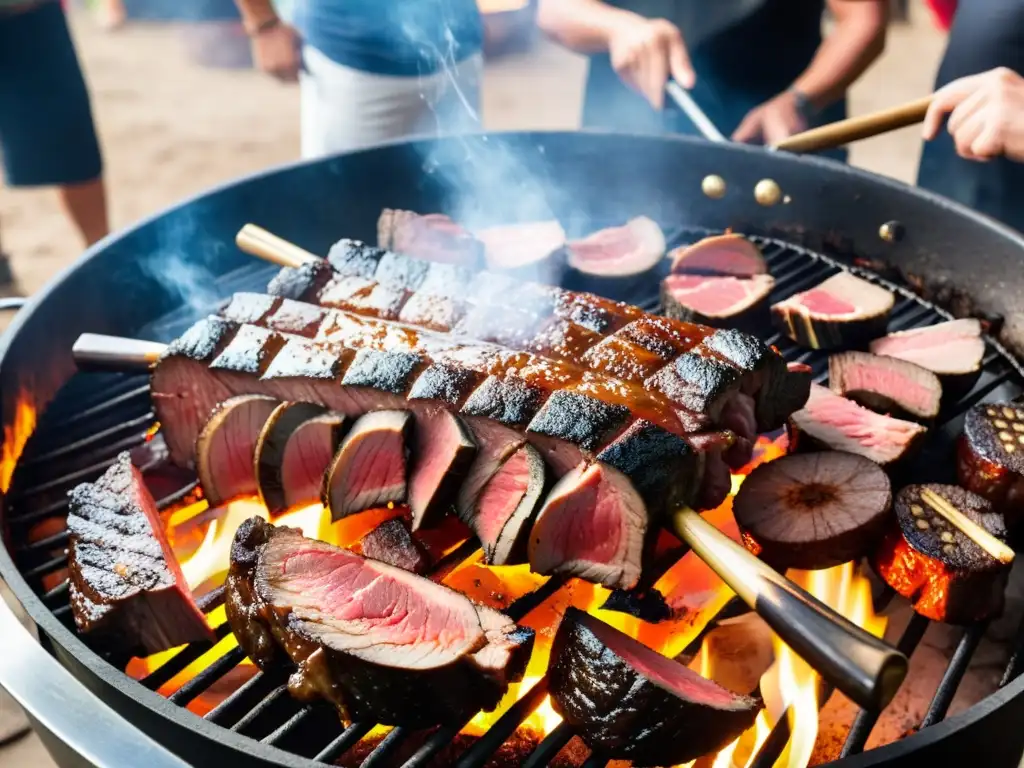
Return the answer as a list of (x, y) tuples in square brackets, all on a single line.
[(47, 135)]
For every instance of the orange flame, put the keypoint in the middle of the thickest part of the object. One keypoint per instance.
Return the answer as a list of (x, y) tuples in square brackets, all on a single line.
[(16, 434)]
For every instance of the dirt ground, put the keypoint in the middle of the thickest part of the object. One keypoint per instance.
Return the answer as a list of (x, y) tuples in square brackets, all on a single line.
[(171, 129)]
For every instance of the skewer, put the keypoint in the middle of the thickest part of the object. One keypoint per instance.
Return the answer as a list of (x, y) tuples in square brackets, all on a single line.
[(266, 245), (968, 527)]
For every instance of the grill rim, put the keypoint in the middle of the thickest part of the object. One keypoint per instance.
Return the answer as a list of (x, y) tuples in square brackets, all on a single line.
[(76, 655)]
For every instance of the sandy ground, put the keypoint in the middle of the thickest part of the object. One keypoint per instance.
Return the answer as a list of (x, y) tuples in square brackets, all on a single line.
[(171, 129)]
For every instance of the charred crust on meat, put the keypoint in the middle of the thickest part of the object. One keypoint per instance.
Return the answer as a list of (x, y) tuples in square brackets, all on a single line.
[(401, 271), (384, 371), (250, 307), (990, 456), (250, 351), (302, 283), (296, 317), (579, 419), (449, 281), (352, 257), (203, 341), (304, 359), (695, 381), (446, 383), (392, 543), (506, 399)]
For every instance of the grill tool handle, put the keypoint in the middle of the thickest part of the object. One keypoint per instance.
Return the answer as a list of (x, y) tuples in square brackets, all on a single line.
[(266, 245), (862, 666), (690, 108), (96, 352), (856, 128)]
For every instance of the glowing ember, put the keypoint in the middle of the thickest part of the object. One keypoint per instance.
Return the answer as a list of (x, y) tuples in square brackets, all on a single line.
[(16, 434)]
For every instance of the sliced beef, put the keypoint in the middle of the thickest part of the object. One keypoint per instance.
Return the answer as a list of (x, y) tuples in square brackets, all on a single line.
[(506, 506), (952, 350), (634, 248), (832, 421), (886, 384), (629, 702), (592, 525), (294, 450), (392, 543), (719, 256), (380, 644), (719, 301), (531, 251), (442, 454), (369, 469), (226, 448), (433, 237), (845, 310), (127, 590)]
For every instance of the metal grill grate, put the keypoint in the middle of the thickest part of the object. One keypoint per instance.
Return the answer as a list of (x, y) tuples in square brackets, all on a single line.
[(97, 416)]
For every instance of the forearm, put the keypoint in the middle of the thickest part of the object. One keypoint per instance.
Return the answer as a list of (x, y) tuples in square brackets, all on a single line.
[(584, 26), (256, 13), (857, 39)]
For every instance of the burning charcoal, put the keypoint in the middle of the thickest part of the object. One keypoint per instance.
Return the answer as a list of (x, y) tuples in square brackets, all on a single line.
[(532, 251), (380, 644), (952, 350), (127, 590), (226, 447), (392, 543), (600, 261), (646, 604), (722, 302), (832, 421), (886, 384), (813, 510), (294, 450), (949, 571), (628, 702), (845, 310), (719, 256), (369, 469), (990, 456)]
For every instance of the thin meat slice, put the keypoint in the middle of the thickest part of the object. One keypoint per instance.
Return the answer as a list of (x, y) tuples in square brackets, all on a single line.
[(833, 421), (433, 237), (532, 251), (717, 301), (631, 249), (226, 448), (294, 450), (719, 256), (127, 590), (443, 452), (629, 702), (842, 311), (392, 543), (506, 507), (952, 350), (592, 525), (886, 384), (380, 644), (369, 469)]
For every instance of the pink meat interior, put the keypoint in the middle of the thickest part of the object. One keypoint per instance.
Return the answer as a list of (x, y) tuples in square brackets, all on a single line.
[(501, 496), (866, 427), (661, 671), (591, 521), (710, 296), (306, 457), (951, 346), (886, 381), (232, 447), (822, 302)]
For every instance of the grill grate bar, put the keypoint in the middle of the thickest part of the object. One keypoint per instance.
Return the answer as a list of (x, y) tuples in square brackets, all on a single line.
[(866, 719), (292, 722), (184, 695), (911, 319), (552, 744), (66, 480), (1016, 663), (383, 751), (482, 749), (57, 539), (595, 761), (261, 684), (141, 391), (348, 739), (144, 422), (58, 593), (265, 703), (49, 566), (166, 672), (954, 674)]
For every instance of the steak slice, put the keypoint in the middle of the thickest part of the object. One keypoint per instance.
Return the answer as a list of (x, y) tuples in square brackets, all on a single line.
[(506, 506), (886, 384), (719, 301), (629, 702), (392, 543), (842, 311), (531, 251), (952, 350), (719, 256), (127, 590), (379, 643), (443, 452), (634, 248), (432, 237), (226, 448), (369, 469)]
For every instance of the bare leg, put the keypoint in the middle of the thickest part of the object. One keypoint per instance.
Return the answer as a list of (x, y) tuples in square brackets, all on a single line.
[(86, 205)]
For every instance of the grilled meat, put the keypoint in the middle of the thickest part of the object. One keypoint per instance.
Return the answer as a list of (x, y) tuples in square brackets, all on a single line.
[(392, 543), (631, 703), (832, 421), (845, 310), (990, 457), (432, 237), (377, 642), (443, 453), (813, 510), (719, 301), (127, 589), (719, 256), (226, 447), (634, 248), (533, 251), (294, 450), (952, 350), (886, 384), (943, 572), (505, 508)]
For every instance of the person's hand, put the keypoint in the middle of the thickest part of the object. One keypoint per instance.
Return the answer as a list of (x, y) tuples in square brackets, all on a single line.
[(645, 52), (771, 122), (277, 51), (986, 115)]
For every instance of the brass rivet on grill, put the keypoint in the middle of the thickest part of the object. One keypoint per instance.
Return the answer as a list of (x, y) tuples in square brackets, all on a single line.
[(767, 192), (713, 186), (891, 231)]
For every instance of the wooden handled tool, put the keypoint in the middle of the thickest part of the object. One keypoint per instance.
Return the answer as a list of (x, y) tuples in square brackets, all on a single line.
[(857, 128), (257, 241), (96, 352)]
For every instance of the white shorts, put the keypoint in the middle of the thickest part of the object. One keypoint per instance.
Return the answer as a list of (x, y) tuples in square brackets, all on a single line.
[(345, 108)]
